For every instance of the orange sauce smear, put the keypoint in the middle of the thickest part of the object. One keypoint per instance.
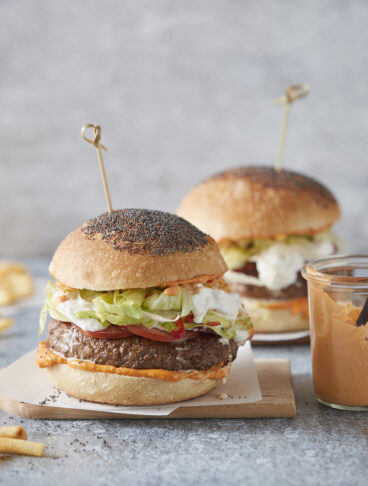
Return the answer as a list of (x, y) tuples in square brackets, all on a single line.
[(296, 306), (45, 357)]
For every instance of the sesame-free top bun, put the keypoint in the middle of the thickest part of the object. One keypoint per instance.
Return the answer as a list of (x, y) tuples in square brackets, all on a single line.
[(136, 248), (259, 202)]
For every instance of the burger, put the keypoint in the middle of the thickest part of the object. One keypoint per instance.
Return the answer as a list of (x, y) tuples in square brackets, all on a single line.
[(267, 223), (139, 312)]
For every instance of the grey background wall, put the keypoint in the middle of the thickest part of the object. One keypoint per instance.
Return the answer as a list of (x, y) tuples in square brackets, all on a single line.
[(182, 90)]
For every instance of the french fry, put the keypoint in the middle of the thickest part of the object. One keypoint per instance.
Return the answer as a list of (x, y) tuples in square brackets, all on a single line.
[(15, 282), (19, 446), (21, 284), (6, 295), (13, 432), (5, 322), (11, 267)]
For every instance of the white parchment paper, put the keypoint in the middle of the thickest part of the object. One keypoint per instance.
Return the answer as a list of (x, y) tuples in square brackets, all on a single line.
[(24, 381)]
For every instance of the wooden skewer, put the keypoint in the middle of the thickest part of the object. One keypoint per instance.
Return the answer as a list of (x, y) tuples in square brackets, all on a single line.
[(292, 93), (96, 141)]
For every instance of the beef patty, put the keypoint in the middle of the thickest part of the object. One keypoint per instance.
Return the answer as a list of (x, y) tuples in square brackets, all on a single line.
[(294, 291), (201, 352)]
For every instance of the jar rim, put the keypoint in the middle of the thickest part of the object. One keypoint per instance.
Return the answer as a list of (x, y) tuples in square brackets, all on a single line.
[(315, 270)]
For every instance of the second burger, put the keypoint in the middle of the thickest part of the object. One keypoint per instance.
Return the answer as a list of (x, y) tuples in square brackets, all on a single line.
[(268, 223)]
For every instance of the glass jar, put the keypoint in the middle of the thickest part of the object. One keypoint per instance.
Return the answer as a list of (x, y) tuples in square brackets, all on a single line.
[(337, 292)]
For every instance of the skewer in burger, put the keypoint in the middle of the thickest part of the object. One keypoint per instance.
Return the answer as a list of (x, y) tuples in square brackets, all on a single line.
[(268, 223), (139, 312)]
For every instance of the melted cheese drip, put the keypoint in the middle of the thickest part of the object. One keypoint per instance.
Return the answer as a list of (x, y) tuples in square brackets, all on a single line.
[(45, 357)]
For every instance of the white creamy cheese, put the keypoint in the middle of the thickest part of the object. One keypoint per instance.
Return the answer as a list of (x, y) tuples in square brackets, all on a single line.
[(278, 265), (241, 335), (227, 305), (224, 304), (68, 308)]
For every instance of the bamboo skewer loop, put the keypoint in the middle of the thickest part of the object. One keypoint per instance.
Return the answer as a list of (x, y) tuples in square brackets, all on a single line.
[(292, 93), (96, 141)]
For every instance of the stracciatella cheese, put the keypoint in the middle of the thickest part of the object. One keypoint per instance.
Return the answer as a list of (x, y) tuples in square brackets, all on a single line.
[(278, 265)]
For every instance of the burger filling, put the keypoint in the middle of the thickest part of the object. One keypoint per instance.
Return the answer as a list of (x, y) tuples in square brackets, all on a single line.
[(180, 327), (200, 351), (270, 268)]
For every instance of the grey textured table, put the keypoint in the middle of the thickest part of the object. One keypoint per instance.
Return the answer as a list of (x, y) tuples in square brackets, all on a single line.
[(319, 446)]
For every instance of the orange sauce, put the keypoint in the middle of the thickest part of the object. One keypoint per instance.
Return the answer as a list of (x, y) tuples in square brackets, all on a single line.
[(272, 236), (45, 357), (339, 350), (296, 306)]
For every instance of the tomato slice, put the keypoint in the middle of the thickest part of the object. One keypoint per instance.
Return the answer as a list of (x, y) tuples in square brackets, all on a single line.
[(111, 332), (179, 332), (116, 332), (157, 334)]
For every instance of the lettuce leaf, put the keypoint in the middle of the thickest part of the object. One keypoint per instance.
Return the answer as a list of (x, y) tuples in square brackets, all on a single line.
[(43, 318), (148, 307), (239, 253)]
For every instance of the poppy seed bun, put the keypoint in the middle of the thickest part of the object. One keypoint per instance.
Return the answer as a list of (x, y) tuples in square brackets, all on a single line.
[(135, 248), (96, 386), (259, 202)]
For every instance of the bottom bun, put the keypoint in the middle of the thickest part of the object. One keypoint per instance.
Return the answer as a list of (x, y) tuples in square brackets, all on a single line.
[(116, 389), (274, 320)]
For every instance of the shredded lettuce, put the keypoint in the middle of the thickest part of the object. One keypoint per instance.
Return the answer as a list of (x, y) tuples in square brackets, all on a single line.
[(43, 318), (238, 253), (148, 307)]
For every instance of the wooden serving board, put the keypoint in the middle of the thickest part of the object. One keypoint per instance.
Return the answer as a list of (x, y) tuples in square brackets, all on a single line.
[(275, 381)]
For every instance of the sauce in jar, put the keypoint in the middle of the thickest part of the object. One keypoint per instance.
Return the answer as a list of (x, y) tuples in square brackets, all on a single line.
[(337, 292)]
